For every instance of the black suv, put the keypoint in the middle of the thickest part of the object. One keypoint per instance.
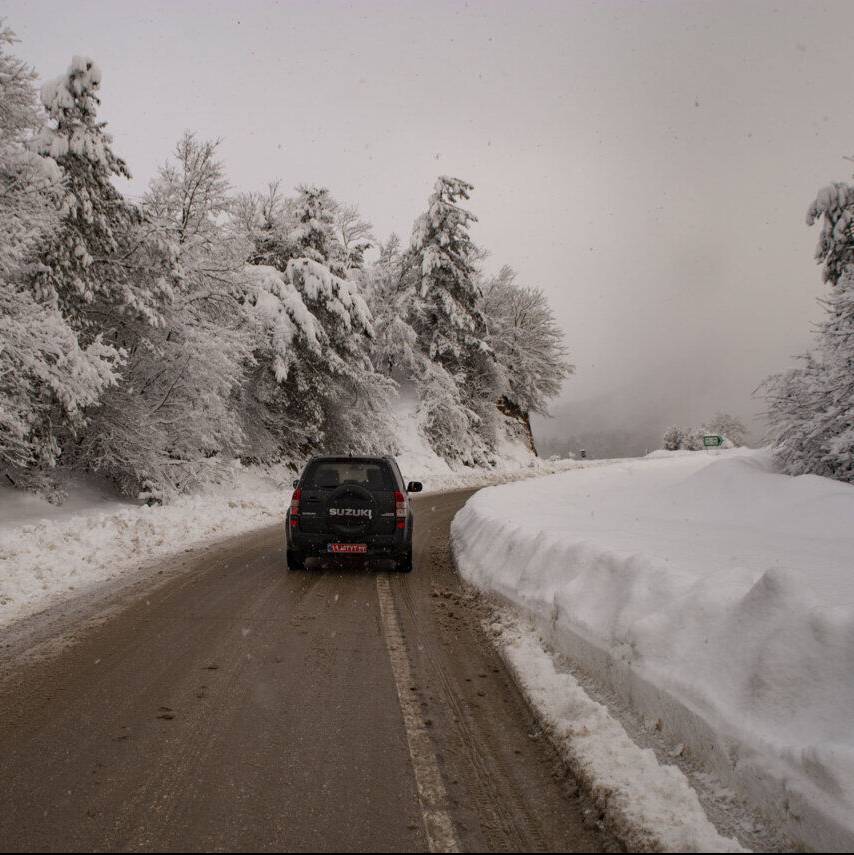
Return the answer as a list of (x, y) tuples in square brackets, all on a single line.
[(350, 506)]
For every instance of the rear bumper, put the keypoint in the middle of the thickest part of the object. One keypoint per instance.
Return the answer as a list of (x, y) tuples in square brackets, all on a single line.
[(379, 545)]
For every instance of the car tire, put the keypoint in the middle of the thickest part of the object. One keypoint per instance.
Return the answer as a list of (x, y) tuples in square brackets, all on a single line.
[(296, 560), (404, 563)]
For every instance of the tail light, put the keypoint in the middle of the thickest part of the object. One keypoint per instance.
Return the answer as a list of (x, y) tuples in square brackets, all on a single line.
[(295, 506), (400, 508)]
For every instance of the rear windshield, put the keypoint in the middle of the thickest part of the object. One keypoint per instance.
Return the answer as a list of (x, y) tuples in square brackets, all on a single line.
[(328, 474)]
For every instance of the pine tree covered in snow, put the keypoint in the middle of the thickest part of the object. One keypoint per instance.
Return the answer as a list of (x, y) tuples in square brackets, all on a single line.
[(442, 263), (261, 219), (811, 408), (313, 234), (103, 269), (441, 274), (104, 263), (46, 378)]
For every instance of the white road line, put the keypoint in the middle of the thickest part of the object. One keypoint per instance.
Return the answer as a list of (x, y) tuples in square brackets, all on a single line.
[(432, 795)]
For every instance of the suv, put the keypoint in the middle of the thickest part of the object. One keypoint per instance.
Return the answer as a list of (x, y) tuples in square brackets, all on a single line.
[(350, 506)]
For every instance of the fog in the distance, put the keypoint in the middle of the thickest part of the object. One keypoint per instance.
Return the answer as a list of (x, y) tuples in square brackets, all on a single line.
[(648, 165)]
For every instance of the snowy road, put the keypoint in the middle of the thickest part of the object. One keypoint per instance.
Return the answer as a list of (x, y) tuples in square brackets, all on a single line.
[(236, 706)]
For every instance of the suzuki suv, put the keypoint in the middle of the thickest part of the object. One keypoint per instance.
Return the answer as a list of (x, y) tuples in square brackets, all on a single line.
[(350, 506)]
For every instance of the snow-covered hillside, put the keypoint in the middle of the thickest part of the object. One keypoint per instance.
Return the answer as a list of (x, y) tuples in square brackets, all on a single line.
[(713, 596), (49, 551)]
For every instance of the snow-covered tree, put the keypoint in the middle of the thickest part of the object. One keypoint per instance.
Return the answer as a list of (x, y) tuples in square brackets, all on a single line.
[(104, 264), (673, 438), (527, 342), (811, 408), (315, 328), (313, 382), (354, 234), (728, 426), (693, 439), (442, 262), (394, 349), (441, 273), (46, 378), (313, 233), (452, 428), (834, 207), (174, 421), (29, 183), (262, 219), (103, 269)]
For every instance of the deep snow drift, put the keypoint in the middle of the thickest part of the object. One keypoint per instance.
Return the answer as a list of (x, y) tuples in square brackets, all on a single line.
[(49, 552), (709, 593)]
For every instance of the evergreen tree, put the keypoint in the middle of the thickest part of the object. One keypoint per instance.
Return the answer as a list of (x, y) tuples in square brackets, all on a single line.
[(442, 263), (104, 264), (313, 234), (261, 219), (47, 379), (440, 271)]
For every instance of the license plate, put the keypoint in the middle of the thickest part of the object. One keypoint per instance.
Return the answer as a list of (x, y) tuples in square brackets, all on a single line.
[(348, 548)]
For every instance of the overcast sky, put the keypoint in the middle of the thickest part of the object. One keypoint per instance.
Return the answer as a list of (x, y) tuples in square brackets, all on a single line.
[(647, 164)]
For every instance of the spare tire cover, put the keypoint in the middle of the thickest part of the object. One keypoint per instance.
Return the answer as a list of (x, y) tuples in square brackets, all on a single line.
[(351, 509)]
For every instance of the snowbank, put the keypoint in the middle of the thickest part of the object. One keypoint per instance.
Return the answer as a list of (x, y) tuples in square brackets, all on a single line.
[(711, 594), (48, 552), (649, 806)]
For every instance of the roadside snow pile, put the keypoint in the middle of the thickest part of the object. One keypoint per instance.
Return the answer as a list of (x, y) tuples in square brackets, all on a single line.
[(650, 807), (711, 595), (58, 553)]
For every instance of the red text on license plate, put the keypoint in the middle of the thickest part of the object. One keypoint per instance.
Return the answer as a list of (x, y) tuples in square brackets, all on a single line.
[(348, 548)]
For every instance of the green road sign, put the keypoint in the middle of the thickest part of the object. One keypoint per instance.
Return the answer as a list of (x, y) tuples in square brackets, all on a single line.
[(710, 441)]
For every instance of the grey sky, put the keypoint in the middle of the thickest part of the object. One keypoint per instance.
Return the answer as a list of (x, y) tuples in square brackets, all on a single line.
[(647, 164)]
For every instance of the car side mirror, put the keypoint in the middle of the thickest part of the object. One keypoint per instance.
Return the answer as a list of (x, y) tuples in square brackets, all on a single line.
[(414, 487), (296, 483)]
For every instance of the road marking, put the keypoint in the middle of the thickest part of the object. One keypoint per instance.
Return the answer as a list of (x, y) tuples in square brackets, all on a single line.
[(432, 795)]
